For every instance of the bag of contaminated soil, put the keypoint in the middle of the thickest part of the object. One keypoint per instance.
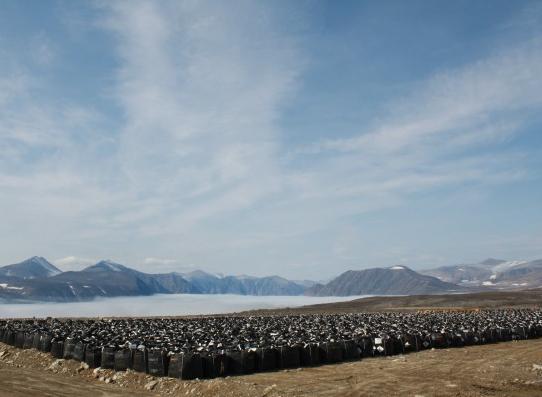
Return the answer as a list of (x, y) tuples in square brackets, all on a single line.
[(108, 357), (332, 352), (57, 348), (249, 360), (157, 362), (36, 341), (123, 360), (45, 343), (289, 357), (234, 362), (268, 358), (438, 340), (93, 356), (351, 351), (28, 340), (365, 343), (185, 366), (140, 360), (19, 339), (69, 346), (214, 364), (9, 337), (310, 355), (382, 346), (79, 351)]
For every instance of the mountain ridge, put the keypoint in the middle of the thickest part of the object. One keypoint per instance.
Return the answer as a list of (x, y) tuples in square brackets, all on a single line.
[(496, 273), (395, 280), (107, 278), (36, 279), (30, 268)]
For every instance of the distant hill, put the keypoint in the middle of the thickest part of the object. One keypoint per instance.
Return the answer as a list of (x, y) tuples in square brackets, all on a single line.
[(494, 273), (396, 280), (35, 267), (244, 285), (461, 274), (38, 280)]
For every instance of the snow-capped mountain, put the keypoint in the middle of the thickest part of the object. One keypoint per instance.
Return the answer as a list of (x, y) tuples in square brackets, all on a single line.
[(37, 279), (35, 267), (494, 273), (395, 280)]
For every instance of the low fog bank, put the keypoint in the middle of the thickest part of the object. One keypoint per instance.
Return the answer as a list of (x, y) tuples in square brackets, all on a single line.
[(161, 305)]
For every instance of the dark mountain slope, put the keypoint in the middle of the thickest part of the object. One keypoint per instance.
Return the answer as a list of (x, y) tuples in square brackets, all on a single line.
[(396, 280)]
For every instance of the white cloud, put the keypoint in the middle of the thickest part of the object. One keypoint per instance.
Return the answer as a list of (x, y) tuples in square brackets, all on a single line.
[(200, 167), (166, 265), (73, 263)]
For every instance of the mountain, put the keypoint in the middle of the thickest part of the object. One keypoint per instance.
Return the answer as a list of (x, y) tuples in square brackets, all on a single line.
[(396, 280), (272, 285), (244, 285), (521, 274), (35, 267), (492, 273), (461, 274), (109, 279), (113, 279), (175, 283)]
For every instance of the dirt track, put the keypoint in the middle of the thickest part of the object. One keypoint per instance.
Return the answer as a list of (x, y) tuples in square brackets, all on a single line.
[(505, 369)]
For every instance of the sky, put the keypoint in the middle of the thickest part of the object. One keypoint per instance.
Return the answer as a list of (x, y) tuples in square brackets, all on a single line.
[(297, 138)]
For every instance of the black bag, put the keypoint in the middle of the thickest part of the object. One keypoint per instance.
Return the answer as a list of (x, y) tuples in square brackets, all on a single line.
[(157, 363), (234, 362), (289, 357), (332, 352), (214, 365), (267, 357), (185, 366), (45, 343), (366, 345), (351, 350), (140, 361), (249, 360), (108, 357), (93, 356), (57, 348), (438, 340), (79, 351), (123, 359), (310, 355), (69, 346), (28, 340), (36, 341), (9, 337), (19, 339)]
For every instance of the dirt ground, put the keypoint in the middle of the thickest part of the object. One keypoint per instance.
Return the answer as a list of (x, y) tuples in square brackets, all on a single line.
[(504, 369)]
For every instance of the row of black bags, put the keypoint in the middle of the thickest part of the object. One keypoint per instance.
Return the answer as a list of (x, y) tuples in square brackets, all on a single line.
[(192, 365)]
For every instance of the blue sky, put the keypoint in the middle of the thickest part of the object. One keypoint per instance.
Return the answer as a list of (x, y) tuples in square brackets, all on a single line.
[(294, 138)]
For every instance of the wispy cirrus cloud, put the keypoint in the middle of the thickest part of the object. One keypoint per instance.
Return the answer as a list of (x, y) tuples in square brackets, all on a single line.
[(200, 166)]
